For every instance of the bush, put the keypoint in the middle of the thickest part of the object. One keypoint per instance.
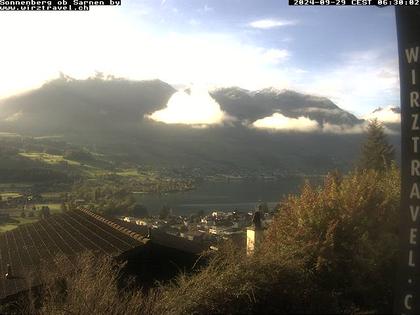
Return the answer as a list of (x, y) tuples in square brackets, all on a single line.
[(91, 284), (345, 234), (235, 284)]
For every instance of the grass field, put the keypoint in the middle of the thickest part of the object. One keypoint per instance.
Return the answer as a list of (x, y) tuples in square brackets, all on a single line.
[(52, 195), (15, 215), (48, 158), (93, 169), (6, 195), (12, 186), (142, 176), (54, 207), (7, 227), (10, 226)]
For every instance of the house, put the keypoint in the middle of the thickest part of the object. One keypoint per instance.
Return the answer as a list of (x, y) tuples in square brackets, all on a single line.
[(129, 219), (158, 257)]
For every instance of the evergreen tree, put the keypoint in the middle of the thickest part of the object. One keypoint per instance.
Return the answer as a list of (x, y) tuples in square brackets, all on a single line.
[(377, 153)]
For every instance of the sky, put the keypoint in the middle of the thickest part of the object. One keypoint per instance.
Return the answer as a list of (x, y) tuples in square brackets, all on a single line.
[(348, 54)]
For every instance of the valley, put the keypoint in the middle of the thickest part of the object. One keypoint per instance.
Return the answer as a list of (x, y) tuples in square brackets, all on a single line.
[(93, 142)]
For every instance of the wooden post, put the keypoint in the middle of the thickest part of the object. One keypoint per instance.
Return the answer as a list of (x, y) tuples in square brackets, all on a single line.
[(407, 293)]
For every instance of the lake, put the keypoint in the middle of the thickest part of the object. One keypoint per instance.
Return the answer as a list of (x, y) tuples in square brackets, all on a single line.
[(223, 196)]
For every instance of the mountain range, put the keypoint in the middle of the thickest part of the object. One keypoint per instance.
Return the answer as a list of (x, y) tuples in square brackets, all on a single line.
[(111, 115)]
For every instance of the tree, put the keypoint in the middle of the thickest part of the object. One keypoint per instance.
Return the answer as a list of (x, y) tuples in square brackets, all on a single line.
[(377, 153), (263, 207), (344, 235)]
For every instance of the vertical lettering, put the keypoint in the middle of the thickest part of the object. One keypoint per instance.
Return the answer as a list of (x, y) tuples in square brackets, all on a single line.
[(413, 235), (412, 54), (407, 301), (415, 125), (407, 304), (414, 99), (411, 259), (414, 213), (415, 168), (415, 191), (415, 141)]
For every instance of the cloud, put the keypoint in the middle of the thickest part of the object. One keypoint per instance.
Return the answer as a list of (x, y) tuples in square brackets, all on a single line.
[(385, 115), (355, 129), (211, 59), (344, 129), (276, 56), (360, 80), (195, 107), (205, 58), (279, 122), (271, 23)]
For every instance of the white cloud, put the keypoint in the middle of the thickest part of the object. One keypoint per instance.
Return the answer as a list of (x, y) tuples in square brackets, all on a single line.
[(363, 80), (194, 108), (271, 23), (385, 115), (276, 56), (79, 44), (355, 129), (279, 122), (344, 129), (82, 42)]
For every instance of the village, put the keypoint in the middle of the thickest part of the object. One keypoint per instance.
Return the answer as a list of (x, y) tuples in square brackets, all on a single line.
[(213, 227)]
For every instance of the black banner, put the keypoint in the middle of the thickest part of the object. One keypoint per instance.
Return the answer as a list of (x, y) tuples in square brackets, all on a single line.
[(407, 294)]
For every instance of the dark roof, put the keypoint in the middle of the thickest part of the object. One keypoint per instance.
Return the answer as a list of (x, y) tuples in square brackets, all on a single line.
[(162, 238), (68, 233)]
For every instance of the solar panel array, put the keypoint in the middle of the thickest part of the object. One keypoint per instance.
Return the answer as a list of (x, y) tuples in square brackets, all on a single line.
[(68, 234)]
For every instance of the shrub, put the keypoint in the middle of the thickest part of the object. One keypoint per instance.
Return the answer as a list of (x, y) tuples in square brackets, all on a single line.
[(90, 284), (345, 234)]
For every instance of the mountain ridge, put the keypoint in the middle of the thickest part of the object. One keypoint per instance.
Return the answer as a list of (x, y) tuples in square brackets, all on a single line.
[(111, 114)]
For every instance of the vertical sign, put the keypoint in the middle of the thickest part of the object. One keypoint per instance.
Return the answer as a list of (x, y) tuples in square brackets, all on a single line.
[(407, 294)]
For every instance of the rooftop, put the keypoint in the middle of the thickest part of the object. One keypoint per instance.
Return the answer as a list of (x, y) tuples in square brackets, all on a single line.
[(164, 239), (69, 233)]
